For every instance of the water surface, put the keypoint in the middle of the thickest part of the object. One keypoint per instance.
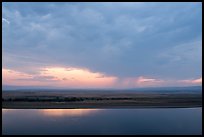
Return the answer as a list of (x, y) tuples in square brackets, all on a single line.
[(186, 121)]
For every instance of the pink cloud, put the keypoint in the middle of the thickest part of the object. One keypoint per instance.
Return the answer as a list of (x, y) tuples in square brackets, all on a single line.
[(141, 82), (191, 81), (79, 77), (198, 81), (84, 78), (59, 77), (145, 81), (12, 77)]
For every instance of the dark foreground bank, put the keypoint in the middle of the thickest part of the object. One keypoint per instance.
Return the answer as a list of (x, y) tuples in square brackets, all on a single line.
[(26, 100)]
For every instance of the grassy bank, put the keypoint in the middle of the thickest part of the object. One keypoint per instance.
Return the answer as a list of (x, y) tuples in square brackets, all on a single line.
[(17, 100)]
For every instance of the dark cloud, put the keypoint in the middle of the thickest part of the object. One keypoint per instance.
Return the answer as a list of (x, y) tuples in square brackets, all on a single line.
[(119, 39)]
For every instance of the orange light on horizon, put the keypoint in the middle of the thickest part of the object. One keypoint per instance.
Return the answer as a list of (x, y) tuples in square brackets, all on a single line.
[(59, 77), (12, 77), (69, 77), (78, 77)]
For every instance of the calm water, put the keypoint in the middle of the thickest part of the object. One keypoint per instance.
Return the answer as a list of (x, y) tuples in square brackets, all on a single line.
[(102, 121)]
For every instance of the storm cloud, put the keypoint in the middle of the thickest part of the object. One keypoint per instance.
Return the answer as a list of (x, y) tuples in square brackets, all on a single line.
[(155, 40)]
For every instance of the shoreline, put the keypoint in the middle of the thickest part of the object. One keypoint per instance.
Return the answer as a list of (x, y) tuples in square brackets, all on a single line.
[(61, 100), (48, 105)]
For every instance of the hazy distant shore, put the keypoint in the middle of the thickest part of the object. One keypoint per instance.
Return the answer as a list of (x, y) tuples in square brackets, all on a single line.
[(32, 100)]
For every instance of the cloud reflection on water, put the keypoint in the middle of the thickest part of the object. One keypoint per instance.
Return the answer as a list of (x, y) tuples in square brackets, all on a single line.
[(67, 112)]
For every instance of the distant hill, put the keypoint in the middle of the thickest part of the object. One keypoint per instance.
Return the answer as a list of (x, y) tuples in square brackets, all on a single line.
[(193, 89), (169, 88), (11, 87), (189, 89)]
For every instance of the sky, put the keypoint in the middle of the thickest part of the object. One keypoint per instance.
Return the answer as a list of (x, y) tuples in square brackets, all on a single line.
[(102, 44)]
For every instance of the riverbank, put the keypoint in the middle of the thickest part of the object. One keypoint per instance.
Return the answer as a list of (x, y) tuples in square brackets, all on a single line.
[(42, 100)]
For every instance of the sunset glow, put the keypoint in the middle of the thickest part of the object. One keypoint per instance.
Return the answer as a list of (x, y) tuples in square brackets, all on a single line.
[(136, 45), (79, 77), (83, 78), (101, 68), (61, 77)]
